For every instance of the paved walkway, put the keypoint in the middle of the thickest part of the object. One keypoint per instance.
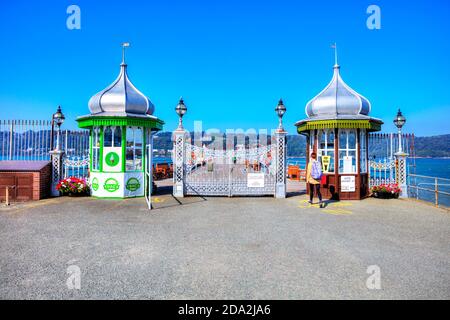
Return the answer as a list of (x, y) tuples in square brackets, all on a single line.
[(238, 248)]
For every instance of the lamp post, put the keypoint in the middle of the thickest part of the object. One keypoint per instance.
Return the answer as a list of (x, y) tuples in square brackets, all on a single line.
[(280, 110), (399, 122), (181, 110), (56, 154), (180, 137), (58, 119), (400, 168), (280, 159)]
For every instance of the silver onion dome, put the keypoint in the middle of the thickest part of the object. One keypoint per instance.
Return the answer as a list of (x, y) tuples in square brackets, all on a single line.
[(121, 98), (338, 100)]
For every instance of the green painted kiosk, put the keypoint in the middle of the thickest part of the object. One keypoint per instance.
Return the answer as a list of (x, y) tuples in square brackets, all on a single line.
[(122, 126)]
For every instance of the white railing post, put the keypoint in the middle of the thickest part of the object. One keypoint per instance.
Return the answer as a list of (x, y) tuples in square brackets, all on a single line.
[(401, 174), (179, 154), (280, 186), (57, 170), (11, 140)]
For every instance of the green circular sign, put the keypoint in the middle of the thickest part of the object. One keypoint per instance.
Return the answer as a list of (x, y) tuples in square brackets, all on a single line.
[(112, 159), (111, 185), (94, 184), (133, 184)]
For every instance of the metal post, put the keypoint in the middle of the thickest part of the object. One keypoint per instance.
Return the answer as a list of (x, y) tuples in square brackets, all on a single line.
[(7, 195), (280, 187), (11, 140), (400, 146), (179, 154)]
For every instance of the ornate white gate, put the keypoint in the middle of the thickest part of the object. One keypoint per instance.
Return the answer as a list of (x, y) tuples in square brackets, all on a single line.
[(244, 169), (382, 172), (75, 166), (229, 173), (255, 171)]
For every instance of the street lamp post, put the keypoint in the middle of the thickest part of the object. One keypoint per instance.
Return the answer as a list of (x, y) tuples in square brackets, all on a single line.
[(179, 152), (181, 110), (280, 160), (401, 167), (58, 119), (280, 110), (57, 154), (399, 122)]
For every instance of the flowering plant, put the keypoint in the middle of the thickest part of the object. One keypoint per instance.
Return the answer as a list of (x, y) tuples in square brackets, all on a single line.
[(73, 186), (386, 191)]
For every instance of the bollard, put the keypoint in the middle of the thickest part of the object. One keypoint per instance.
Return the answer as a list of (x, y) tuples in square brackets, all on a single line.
[(7, 196)]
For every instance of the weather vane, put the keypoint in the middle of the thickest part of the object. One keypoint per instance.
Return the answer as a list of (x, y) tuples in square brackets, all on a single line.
[(124, 45), (334, 46)]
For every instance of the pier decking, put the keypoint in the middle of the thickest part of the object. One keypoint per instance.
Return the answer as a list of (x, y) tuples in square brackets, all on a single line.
[(238, 248)]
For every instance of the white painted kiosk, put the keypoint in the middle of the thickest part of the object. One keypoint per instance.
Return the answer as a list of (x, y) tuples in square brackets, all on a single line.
[(121, 125)]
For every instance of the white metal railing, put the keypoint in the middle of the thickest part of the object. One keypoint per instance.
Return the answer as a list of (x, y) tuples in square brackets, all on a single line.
[(25, 139), (32, 140), (430, 189)]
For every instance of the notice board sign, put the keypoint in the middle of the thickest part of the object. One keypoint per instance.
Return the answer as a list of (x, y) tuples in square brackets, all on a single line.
[(255, 180), (348, 184)]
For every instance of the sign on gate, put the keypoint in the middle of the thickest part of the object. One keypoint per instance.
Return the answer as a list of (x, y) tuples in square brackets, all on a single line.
[(255, 180)]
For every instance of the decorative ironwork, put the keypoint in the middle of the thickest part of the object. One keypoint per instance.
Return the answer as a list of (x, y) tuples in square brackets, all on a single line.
[(179, 163), (76, 166), (280, 137), (387, 165), (57, 170), (212, 172), (382, 172)]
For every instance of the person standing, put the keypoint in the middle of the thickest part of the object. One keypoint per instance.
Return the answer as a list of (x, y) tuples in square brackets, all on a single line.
[(313, 176)]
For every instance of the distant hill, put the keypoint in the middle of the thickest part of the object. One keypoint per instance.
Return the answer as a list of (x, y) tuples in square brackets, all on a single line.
[(435, 147)]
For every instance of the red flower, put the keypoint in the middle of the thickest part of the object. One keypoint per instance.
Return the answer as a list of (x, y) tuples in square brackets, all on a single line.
[(72, 185)]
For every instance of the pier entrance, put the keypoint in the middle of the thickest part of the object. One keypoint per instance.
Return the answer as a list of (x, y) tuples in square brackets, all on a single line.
[(230, 165), (238, 172)]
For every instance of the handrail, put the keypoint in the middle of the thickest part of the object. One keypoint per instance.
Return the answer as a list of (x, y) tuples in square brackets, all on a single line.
[(436, 184), (420, 176)]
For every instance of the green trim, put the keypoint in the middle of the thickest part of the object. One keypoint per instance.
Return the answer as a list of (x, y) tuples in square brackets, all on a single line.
[(100, 151), (91, 141), (124, 148), (116, 198), (339, 124), (144, 149), (93, 121), (110, 172)]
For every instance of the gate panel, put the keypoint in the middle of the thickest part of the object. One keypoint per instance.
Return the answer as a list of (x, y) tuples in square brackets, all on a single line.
[(226, 173)]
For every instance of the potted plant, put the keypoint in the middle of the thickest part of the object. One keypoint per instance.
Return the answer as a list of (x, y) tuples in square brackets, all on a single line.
[(386, 191), (73, 187)]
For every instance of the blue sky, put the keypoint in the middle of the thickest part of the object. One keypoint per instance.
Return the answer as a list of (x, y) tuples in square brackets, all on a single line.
[(231, 60)]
